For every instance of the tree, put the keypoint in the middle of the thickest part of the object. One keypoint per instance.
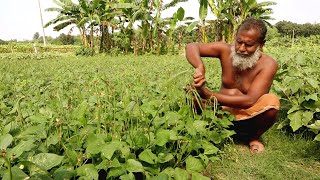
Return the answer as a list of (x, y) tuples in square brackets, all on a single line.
[(36, 36), (231, 13)]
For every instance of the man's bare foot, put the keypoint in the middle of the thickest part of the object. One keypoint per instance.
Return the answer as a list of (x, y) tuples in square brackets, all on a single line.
[(256, 146)]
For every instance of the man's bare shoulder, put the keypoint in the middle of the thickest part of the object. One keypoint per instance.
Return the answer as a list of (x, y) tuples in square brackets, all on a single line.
[(268, 62)]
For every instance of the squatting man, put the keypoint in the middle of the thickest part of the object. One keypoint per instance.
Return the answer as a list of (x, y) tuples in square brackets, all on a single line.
[(247, 76)]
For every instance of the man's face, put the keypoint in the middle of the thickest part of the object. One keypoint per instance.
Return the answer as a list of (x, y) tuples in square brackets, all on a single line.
[(246, 51), (247, 42)]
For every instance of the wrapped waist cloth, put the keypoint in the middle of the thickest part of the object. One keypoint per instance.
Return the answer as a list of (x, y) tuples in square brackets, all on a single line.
[(264, 103)]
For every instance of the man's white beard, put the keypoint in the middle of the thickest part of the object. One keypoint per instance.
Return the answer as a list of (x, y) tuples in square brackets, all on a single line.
[(243, 63)]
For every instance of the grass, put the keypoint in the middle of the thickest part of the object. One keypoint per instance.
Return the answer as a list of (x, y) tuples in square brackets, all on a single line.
[(286, 157)]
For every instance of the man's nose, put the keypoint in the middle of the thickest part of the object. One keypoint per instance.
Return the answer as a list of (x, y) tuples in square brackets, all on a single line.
[(242, 48)]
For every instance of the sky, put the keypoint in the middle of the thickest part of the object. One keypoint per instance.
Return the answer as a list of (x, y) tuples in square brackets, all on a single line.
[(20, 19)]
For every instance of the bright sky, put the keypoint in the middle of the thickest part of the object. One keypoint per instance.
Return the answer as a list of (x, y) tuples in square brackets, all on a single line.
[(20, 19)]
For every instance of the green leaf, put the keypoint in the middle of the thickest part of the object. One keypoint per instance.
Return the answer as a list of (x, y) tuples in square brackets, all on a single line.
[(17, 174), (134, 166), (313, 82), (180, 14), (200, 126), (20, 148), (192, 26), (165, 157), (52, 139), (203, 10), (64, 172), (194, 165), (197, 176), (94, 144), (315, 126), (162, 137), (148, 156), (317, 138), (46, 160), (180, 174), (5, 141), (108, 149), (116, 171), (129, 176), (209, 148), (88, 171), (161, 176), (295, 120)]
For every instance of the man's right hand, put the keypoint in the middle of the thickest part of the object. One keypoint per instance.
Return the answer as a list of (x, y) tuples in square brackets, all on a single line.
[(199, 77)]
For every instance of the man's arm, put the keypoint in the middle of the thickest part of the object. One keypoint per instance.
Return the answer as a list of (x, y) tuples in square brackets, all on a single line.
[(260, 85), (194, 52)]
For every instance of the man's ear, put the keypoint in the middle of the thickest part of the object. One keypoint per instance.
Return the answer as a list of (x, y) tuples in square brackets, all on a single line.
[(261, 46)]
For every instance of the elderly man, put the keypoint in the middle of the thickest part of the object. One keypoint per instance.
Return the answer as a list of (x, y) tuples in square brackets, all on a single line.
[(247, 76)]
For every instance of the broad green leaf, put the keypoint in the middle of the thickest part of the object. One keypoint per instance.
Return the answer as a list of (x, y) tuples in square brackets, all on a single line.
[(315, 126), (161, 176), (134, 166), (204, 159), (46, 160), (194, 165), (94, 144), (5, 141), (317, 138), (53, 139), (293, 108), (295, 120), (64, 173), (17, 174), (20, 148), (180, 14), (169, 171), (307, 116), (129, 176), (165, 157), (148, 156), (162, 137), (180, 174), (198, 176), (209, 148), (313, 96), (200, 126), (116, 171), (313, 82), (36, 132), (108, 149), (88, 171)]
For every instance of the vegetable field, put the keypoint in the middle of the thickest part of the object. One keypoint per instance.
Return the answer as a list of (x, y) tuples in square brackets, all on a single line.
[(128, 117)]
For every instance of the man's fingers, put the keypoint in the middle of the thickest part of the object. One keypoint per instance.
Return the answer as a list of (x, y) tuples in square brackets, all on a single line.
[(199, 83)]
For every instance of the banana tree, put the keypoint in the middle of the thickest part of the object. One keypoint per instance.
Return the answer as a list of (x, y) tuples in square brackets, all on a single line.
[(231, 13), (69, 14)]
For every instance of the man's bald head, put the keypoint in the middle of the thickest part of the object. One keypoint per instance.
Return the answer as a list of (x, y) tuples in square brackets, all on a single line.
[(254, 24)]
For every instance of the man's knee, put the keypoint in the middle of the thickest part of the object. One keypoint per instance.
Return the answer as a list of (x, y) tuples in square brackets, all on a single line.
[(271, 114)]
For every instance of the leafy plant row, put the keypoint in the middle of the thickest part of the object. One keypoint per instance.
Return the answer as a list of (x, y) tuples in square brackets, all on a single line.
[(297, 82), (125, 117)]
